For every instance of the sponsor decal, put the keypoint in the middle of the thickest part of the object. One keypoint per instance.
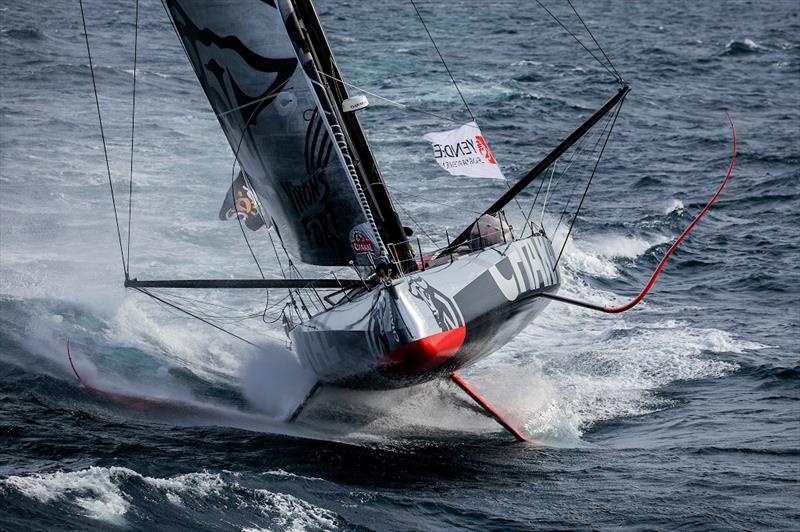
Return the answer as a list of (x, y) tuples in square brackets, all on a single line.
[(241, 201), (483, 149), (365, 246), (361, 244), (308, 195), (522, 270), (445, 311)]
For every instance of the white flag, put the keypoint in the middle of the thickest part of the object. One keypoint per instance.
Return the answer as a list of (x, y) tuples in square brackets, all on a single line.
[(463, 151)]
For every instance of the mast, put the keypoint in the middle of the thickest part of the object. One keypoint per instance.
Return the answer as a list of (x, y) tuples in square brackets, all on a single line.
[(512, 192), (369, 175)]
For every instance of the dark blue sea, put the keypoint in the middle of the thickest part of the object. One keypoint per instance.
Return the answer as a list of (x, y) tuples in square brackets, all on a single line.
[(683, 413)]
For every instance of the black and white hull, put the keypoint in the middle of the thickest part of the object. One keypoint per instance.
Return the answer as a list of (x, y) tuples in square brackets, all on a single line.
[(429, 323)]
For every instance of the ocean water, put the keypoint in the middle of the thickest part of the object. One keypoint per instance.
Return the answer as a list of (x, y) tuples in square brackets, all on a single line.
[(681, 414)]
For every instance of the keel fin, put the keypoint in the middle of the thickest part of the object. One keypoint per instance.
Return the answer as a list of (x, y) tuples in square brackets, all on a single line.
[(300, 407), (489, 409)]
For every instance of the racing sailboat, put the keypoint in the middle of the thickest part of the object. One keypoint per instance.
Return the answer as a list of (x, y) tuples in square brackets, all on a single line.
[(310, 176)]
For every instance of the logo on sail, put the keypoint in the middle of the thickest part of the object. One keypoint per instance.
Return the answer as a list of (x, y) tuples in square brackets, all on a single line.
[(464, 151), (362, 244), (483, 149), (241, 201)]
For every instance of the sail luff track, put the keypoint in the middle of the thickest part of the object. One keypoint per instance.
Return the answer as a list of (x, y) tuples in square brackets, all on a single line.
[(386, 216)]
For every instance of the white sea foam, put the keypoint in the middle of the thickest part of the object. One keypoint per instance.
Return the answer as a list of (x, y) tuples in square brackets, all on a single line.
[(597, 255), (200, 484), (275, 382), (675, 205), (746, 43), (98, 491), (94, 490), (287, 474), (288, 512)]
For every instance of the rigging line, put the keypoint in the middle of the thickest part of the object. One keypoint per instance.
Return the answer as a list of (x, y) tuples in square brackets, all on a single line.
[(258, 100), (236, 154), (239, 218), (407, 107), (575, 183), (395, 102), (203, 313), (419, 226), (516, 199), (536, 197), (103, 136), (619, 77), (277, 255), (616, 76), (423, 198), (572, 159), (133, 128), (589, 182), (247, 177), (201, 302), (444, 63), (178, 308), (550, 182), (578, 149), (249, 183), (546, 194), (289, 268)]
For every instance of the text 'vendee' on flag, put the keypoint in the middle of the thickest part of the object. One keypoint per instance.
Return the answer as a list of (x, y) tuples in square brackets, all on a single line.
[(463, 151)]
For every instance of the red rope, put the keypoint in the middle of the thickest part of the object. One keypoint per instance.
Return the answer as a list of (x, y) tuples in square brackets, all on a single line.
[(635, 301), (72, 365)]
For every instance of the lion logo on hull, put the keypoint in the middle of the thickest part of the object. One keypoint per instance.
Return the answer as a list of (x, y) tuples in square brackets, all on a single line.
[(445, 311)]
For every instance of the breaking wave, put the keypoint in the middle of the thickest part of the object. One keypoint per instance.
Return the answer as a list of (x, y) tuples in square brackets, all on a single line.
[(105, 494), (743, 47)]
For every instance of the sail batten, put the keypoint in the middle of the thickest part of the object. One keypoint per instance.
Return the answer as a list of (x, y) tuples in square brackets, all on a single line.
[(264, 89)]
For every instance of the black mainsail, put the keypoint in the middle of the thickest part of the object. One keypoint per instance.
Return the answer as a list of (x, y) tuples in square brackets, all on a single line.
[(259, 63)]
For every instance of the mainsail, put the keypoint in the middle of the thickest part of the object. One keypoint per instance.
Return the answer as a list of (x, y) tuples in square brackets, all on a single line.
[(258, 71)]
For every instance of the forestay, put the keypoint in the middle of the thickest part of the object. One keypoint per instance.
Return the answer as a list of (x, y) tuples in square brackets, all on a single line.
[(282, 134)]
